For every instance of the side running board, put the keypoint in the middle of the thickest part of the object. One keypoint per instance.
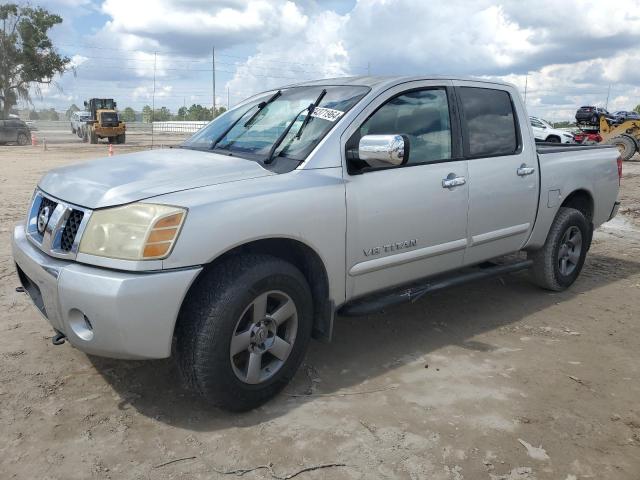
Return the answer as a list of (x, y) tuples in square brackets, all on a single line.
[(376, 302)]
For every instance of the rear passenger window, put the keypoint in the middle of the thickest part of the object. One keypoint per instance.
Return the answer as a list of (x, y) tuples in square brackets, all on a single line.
[(423, 116), (490, 122)]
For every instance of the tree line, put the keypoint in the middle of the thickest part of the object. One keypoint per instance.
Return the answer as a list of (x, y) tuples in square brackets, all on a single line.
[(195, 112)]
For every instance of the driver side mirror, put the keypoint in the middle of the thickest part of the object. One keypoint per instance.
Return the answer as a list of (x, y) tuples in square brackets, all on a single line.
[(384, 150)]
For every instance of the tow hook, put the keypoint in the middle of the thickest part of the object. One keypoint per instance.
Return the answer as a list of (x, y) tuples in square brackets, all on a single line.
[(59, 338)]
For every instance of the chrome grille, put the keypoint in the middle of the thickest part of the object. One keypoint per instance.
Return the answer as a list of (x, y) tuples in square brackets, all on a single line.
[(60, 230)]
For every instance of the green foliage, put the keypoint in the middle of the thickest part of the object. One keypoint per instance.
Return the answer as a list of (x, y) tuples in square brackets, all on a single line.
[(563, 124), (161, 115), (182, 113), (146, 114), (48, 114), (128, 115), (70, 111), (637, 109), (198, 112), (27, 55), (33, 115)]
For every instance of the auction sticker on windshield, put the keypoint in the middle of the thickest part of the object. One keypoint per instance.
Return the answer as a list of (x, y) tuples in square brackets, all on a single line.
[(327, 113)]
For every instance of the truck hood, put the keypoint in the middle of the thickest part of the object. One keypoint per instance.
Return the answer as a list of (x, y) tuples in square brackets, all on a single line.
[(135, 176)]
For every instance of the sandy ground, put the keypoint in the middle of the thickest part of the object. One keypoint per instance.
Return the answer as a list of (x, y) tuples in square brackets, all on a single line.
[(497, 381)]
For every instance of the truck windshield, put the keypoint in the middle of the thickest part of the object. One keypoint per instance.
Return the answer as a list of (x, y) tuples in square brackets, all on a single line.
[(254, 140)]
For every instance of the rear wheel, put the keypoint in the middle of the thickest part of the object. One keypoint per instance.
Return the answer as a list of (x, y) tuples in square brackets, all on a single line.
[(243, 330), (93, 137), (23, 139), (626, 146), (559, 262), (121, 138)]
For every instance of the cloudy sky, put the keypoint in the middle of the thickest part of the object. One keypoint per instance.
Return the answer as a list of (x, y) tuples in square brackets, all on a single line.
[(570, 52)]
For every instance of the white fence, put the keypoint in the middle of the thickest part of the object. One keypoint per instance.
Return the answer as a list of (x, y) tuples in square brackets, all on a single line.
[(178, 127)]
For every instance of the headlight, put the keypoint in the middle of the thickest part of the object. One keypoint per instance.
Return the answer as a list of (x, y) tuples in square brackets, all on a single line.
[(139, 231)]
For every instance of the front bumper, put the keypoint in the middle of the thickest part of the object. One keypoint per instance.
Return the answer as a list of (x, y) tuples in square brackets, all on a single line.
[(104, 312)]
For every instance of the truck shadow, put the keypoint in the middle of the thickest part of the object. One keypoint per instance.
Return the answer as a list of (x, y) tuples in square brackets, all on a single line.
[(364, 349)]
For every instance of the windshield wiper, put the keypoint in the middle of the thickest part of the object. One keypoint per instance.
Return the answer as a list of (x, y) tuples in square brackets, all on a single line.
[(283, 135), (260, 106)]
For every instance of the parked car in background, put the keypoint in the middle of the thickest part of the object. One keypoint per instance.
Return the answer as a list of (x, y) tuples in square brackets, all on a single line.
[(77, 119), (31, 124), (544, 132), (590, 115), (342, 196), (624, 115), (14, 130)]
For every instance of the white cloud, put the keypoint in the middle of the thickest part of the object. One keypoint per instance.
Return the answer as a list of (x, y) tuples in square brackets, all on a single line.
[(571, 50)]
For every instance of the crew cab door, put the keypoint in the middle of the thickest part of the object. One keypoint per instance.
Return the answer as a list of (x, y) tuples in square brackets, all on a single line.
[(402, 223), (503, 170)]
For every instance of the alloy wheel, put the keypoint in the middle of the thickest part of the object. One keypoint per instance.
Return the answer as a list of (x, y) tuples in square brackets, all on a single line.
[(264, 337)]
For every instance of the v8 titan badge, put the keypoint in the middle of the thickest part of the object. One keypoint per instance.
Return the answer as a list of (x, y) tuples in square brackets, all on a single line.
[(327, 114)]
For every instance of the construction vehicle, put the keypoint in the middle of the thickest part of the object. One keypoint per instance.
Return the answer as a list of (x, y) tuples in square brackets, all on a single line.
[(625, 135), (103, 122)]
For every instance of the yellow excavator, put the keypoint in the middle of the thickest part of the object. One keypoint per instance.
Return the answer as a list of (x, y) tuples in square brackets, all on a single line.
[(104, 122)]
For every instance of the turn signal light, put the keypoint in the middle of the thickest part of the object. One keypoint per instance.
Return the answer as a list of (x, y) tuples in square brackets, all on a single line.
[(162, 235)]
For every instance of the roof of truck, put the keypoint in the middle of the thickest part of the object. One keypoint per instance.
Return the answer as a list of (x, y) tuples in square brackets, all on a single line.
[(372, 81)]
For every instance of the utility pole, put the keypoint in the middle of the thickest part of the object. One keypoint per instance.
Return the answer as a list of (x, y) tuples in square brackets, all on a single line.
[(606, 104), (526, 81), (153, 96), (228, 103), (213, 79)]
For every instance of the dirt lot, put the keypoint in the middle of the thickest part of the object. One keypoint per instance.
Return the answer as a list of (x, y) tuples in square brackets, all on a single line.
[(498, 380)]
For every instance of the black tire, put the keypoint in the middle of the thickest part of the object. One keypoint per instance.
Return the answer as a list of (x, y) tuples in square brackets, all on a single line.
[(85, 136), (121, 138), (595, 120), (213, 313), (626, 146), (552, 139), (22, 139), (73, 130), (93, 138), (547, 271), (113, 139)]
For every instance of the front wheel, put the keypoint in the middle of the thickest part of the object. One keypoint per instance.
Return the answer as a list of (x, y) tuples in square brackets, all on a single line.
[(22, 139), (559, 262), (243, 330)]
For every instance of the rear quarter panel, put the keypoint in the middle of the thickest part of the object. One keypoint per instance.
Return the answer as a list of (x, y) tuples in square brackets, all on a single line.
[(594, 170)]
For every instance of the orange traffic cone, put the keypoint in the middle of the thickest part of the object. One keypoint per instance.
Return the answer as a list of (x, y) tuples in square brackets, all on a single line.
[(34, 141), (110, 150)]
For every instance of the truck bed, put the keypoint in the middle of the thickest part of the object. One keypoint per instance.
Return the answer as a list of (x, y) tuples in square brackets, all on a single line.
[(545, 147)]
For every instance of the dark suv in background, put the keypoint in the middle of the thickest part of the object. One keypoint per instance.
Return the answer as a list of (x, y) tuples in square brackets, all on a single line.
[(590, 115), (13, 130), (623, 116)]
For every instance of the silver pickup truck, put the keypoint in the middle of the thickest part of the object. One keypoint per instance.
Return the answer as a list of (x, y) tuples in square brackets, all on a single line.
[(342, 196)]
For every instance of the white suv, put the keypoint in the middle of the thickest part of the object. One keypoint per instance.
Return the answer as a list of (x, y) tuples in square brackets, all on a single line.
[(543, 132)]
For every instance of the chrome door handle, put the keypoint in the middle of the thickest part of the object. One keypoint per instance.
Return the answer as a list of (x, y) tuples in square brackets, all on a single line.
[(524, 170), (453, 181)]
